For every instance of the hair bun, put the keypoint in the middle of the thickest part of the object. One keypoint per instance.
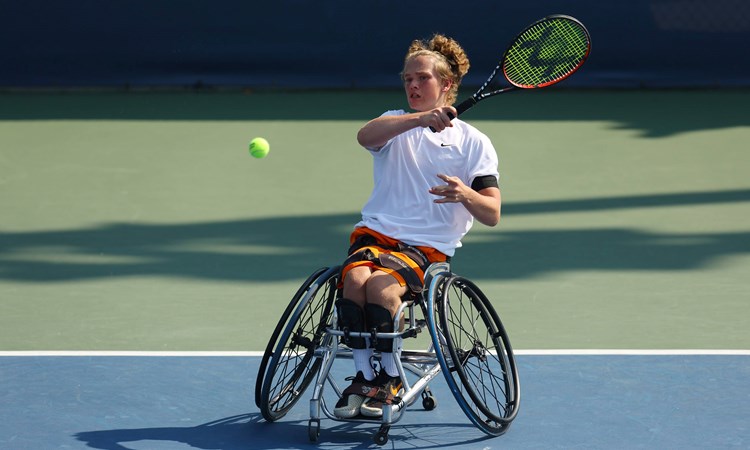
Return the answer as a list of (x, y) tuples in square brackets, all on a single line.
[(453, 53)]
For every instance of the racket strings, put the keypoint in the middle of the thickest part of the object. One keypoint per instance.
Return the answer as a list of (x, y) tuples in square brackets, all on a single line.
[(546, 53)]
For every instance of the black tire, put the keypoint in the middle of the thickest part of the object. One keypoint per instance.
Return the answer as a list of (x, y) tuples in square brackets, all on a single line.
[(289, 364), (475, 354), (277, 332)]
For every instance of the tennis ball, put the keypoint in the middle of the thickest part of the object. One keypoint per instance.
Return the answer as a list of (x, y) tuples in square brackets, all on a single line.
[(259, 147)]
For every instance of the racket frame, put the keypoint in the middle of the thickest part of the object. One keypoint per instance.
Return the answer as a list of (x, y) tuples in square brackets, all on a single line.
[(480, 95)]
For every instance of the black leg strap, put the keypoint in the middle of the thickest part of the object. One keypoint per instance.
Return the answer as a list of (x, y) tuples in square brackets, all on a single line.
[(379, 320), (351, 319)]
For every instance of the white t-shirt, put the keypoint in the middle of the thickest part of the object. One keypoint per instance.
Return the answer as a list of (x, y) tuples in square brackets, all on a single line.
[(406, 167)]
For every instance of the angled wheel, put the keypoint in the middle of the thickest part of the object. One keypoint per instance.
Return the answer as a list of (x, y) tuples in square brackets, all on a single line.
[(474, 353), (277, 332), (289, 365)]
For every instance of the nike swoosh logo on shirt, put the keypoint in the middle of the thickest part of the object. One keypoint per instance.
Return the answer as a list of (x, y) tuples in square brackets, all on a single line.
[(443, 144)]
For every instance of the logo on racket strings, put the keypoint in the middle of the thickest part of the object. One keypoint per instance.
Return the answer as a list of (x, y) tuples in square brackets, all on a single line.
[(548, 52)]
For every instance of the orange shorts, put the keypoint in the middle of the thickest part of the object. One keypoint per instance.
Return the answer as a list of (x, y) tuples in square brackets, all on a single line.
[(404, 262)]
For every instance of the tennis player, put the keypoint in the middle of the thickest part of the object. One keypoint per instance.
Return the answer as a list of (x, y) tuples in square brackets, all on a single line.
[(429, 186)]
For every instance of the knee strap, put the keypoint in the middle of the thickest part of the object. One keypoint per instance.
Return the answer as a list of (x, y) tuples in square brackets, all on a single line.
[(351, 319), (379, 320)]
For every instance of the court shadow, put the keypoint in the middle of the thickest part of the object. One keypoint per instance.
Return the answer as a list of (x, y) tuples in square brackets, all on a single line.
[(289, 248), (251, 431), (236, 432)]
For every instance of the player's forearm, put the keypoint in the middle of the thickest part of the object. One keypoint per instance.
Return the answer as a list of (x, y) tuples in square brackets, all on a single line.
[(485, 206), (377, 132)]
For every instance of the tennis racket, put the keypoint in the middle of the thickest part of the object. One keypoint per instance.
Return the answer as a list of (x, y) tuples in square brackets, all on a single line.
[(546, 52)]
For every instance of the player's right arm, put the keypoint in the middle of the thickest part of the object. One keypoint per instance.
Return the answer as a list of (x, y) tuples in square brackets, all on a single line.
[(377, 132)]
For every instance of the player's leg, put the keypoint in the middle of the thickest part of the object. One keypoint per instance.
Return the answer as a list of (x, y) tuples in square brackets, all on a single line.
[(384, 293), (351, 317)]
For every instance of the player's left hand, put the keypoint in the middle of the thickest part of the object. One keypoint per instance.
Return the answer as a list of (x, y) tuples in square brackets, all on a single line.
[(454, 191)]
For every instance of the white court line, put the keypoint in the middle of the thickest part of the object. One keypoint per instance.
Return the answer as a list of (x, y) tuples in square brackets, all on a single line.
[(635, 352), (128, 353), (561, 352)]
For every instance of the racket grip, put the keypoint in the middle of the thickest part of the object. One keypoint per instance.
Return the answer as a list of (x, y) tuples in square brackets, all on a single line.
[(461, 108), (465, 105)]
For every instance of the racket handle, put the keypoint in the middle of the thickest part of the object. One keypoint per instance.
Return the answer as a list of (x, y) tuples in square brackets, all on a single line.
[(465, 105), (461, 108)]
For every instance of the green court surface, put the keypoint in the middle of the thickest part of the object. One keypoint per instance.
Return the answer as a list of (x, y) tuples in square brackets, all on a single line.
[(138, 221)]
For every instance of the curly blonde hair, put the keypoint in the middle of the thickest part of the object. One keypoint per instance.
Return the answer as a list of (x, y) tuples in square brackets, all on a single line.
[(450, 59)]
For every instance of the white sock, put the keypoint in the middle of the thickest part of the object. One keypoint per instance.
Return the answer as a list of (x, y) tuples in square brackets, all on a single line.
[(389, 364), (362, 362)]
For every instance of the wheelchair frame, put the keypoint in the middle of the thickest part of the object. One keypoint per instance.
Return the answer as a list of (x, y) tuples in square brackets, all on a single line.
[(306, 343)]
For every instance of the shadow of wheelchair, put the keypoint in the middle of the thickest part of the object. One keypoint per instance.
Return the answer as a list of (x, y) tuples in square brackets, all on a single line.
[(251, 431)]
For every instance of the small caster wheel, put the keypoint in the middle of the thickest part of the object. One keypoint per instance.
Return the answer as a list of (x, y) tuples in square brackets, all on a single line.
[(381, 437), (429, 403), (313, 429)]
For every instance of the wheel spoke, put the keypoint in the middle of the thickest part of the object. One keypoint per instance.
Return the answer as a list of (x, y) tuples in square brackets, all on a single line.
[(292, 365), (481, 374)]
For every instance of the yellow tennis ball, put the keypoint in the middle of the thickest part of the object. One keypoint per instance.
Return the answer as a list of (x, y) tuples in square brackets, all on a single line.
[(259, 147)]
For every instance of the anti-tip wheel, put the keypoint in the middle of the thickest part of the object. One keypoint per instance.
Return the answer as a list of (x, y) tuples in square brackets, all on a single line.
[(429, 403), (313, 430), (381, 437)]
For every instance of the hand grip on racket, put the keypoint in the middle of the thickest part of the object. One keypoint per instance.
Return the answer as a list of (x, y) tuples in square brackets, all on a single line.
[(546, 52)]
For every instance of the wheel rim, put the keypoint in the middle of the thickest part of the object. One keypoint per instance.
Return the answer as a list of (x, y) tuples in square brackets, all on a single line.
[(293, 364), (280, 326), (481, 370)]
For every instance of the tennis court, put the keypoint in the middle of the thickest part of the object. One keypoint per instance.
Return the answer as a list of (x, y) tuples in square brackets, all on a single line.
[(570, 401), (136, 230), (145, 257)]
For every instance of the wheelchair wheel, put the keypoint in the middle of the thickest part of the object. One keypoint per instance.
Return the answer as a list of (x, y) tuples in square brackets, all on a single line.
[(289, 364), (277, 332), (474, 353)]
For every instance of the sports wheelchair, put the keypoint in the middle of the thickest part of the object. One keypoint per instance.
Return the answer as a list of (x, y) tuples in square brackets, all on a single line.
[(468, 344)]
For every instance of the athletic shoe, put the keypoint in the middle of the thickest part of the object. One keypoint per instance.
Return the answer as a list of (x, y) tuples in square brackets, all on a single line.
[(390, 389), (350, 402)]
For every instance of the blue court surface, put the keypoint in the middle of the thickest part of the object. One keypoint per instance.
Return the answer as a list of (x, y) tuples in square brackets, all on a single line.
[(583, 401)]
